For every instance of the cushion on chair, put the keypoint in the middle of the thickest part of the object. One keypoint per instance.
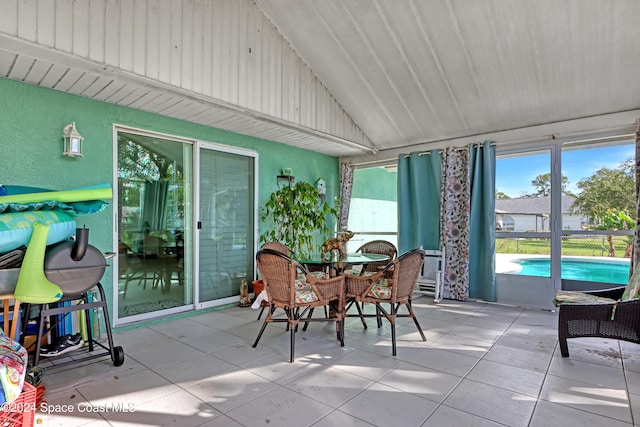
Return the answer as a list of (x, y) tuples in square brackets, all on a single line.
[(381, 289), (305, 295), (571, 297), (632, 290), (301, 283)]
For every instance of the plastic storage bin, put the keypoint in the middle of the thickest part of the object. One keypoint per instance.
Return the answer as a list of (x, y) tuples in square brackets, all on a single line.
[(20, 412)]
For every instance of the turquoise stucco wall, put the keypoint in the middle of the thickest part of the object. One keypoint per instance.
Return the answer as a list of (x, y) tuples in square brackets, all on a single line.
[(31, 148)]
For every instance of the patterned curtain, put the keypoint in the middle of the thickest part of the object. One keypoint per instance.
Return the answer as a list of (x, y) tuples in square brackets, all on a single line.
[(636, 242), (456, 215), (346, 184)]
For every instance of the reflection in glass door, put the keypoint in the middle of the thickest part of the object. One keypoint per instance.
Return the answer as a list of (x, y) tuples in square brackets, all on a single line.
[(154, 233), (226, 224)]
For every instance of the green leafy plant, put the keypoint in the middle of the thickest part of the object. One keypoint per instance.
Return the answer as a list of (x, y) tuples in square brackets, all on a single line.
[(616, 219), (298, 217)]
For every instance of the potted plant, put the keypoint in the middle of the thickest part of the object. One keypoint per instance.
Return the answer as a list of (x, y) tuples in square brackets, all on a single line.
[(298, 217)]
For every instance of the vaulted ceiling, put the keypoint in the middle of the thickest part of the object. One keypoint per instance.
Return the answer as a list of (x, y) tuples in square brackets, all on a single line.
[(416, 71), (344, 77)]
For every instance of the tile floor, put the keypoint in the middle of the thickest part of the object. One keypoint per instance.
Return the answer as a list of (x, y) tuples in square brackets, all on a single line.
[(482, 365)]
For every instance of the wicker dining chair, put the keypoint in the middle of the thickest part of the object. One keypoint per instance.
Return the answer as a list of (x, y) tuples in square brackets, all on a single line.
[(291, 287), (396, 291), (278, 247), (381, 247)]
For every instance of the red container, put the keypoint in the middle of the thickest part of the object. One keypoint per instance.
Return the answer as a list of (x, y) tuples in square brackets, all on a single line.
[(20, 412), (258, 286)]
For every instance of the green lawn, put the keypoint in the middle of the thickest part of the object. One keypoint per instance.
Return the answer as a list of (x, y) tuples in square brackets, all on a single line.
[(570, 246)]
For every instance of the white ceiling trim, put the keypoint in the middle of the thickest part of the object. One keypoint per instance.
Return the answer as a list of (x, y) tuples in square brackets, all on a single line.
[(608, 125), (124, 88)]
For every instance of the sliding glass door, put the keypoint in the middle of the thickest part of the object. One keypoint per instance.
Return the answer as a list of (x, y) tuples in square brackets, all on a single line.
[(185, 224), (524, 224), (226, 222), (563, 218), (154, 231)]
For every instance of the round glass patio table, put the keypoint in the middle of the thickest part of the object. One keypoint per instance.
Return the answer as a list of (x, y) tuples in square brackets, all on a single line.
[(351, 259)]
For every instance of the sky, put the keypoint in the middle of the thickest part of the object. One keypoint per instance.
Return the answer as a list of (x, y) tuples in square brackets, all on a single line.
[(514, 175)]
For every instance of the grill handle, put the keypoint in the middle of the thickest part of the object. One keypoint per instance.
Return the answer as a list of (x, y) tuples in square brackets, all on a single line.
[(81, 244)]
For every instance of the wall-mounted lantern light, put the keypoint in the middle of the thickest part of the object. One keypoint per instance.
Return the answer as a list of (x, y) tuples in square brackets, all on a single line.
[(72, 141)]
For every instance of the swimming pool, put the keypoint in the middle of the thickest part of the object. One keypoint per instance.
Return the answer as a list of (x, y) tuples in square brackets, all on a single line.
[(593, 270)]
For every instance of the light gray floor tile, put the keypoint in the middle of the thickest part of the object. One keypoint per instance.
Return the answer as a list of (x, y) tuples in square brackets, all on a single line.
[(629, 347), (631, 361), (463, 345), (382, 405), (487, 323), (63, 408), (552, 414), (221, 421), (214, 340), (493, 403), (521, 358), (366, 364), (228, 391), (591, 373), (605, 401), (136, 389), (171, 353), (279, 370), (634, 402), (206, 367), (179, 409), (511, 378), (329, 385), (447, 416), (181, 329), (225, 320), (453, 363), (242, 353), (141, 339), (633, 382), (467, 330), (424, 382), (339, 418), (599, 351), (528, 342), (201, 368), (75, 376), (281, 407)]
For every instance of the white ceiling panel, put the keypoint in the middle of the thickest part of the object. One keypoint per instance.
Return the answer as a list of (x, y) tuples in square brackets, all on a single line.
[(374, 75), (414, 71)]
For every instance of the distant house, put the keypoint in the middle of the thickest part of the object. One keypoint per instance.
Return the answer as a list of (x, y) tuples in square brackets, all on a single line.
[(532, 214)]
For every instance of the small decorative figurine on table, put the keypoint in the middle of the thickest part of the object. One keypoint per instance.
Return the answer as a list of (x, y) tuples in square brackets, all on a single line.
[(336, 244)]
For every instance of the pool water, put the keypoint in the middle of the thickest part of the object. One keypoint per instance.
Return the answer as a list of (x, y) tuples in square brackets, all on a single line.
[(572, 269)]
